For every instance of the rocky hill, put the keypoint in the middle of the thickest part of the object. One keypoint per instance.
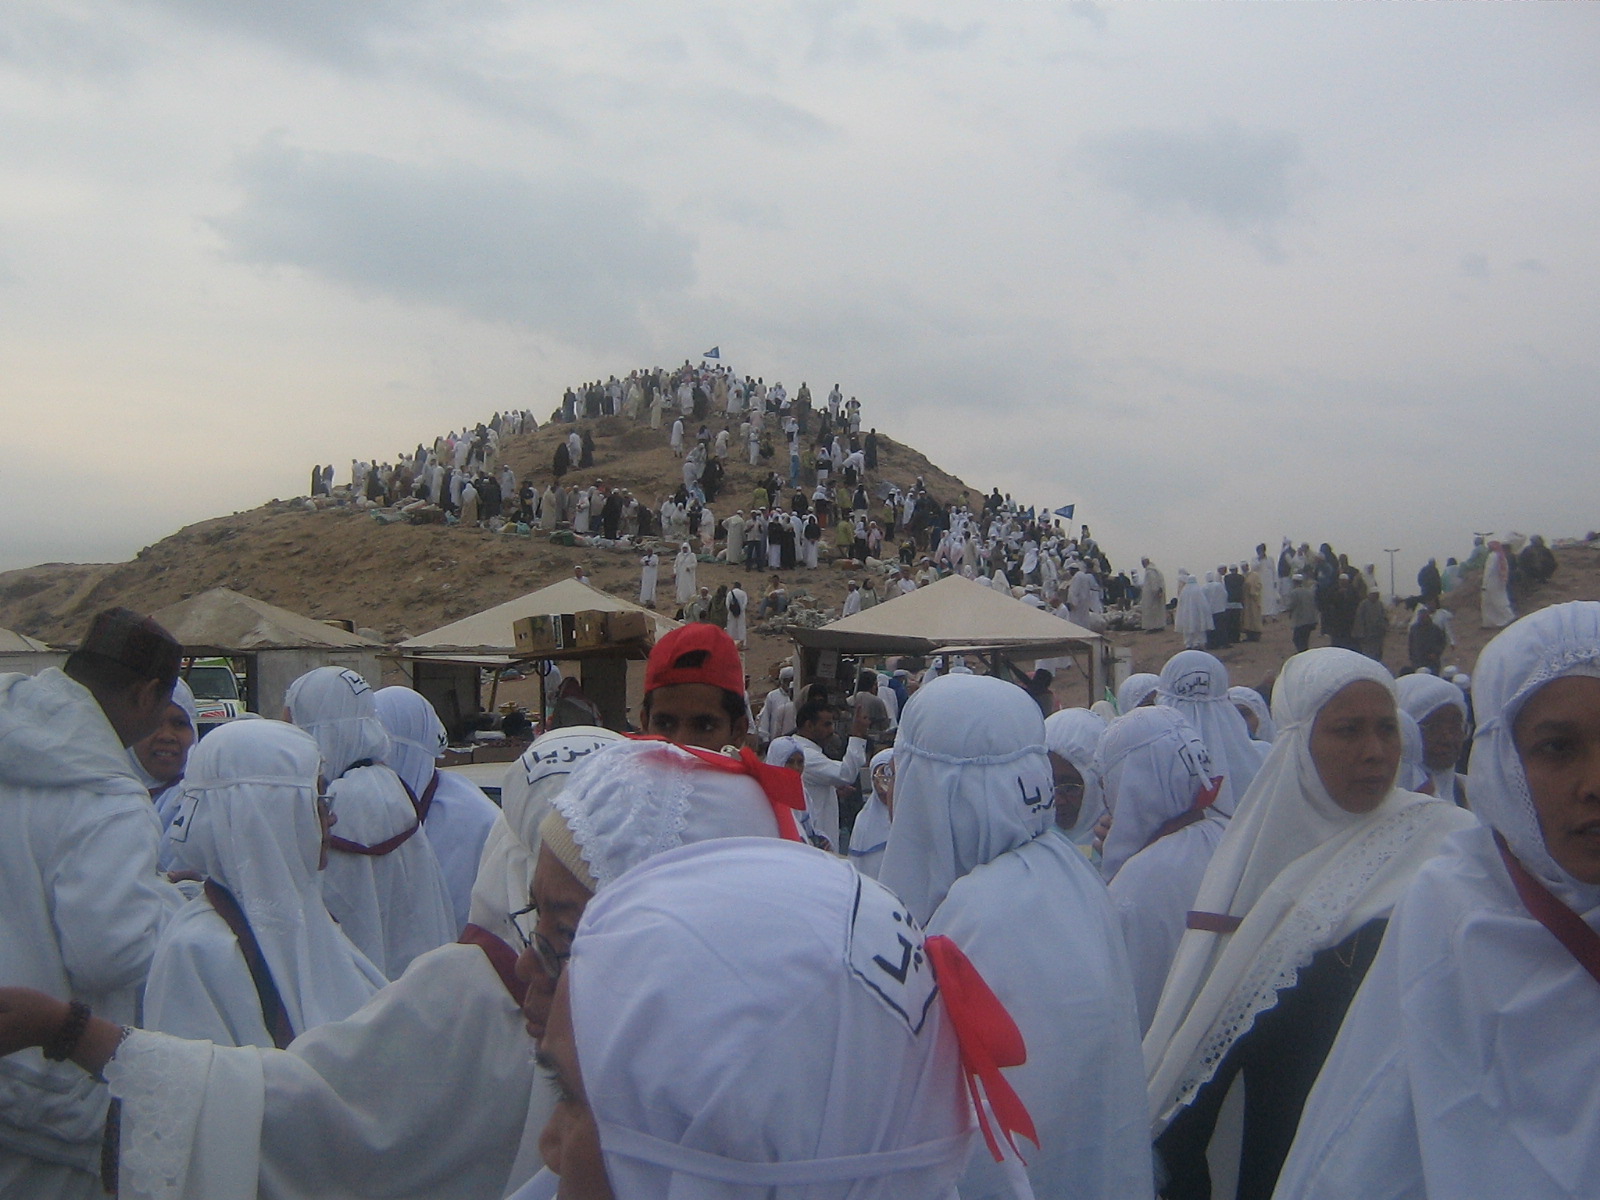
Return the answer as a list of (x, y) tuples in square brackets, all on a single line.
[(399, 579)]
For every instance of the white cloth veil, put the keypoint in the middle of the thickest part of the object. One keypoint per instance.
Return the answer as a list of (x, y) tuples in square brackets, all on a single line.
[(1196, 684), (249, 822), (1300, 873), (1135, 689), (1152, 765), (1465, 1065), (964, 741), (738, 1037), (1074, 733), (1266, 727), (416, 735)]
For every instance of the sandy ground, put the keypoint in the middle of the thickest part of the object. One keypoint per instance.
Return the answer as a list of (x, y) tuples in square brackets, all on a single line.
[(398, 580)]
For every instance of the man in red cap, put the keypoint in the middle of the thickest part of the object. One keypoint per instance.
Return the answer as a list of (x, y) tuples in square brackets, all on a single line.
[(694, 689)]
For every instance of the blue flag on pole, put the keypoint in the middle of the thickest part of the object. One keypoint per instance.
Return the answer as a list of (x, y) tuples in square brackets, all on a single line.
[(1066, 511), (714, 352)]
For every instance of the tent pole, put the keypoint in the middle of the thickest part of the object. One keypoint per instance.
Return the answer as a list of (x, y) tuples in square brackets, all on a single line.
[(494, 688)]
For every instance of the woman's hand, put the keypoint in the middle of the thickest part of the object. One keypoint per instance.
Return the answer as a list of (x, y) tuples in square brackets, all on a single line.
[(28, 1018)]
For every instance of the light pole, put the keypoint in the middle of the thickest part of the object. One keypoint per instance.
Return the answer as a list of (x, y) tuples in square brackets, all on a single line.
[(1391, 554)]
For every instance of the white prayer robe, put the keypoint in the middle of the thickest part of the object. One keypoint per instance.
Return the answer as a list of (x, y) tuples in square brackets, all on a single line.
[(738, 623), (684, 569), (648, 566), (972, 841), (83, 907)]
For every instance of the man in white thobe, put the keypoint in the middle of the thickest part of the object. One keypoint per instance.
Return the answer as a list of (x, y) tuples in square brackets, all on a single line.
[(84, 903), (823, 776)]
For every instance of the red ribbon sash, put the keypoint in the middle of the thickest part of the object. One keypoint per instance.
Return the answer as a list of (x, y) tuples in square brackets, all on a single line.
[(989, 1039), (1212, 922), (1571, 930), (1203, 800), (501, 957)]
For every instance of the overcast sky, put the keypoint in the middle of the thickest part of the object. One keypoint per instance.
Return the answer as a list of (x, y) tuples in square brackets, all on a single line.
[(1214, 273)]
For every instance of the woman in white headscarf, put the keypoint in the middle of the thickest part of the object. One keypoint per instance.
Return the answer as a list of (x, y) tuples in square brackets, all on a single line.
[(1160, 784), (1440, 709), (787, 1040), (870, 835), (1465, 1066), (255, 959), (1137, 690), (1287, 919), (1252, 706), (159, 758), (684, 569), (383, 883), (455, 813), (1196, 684), (972, 854), (1071, 736)]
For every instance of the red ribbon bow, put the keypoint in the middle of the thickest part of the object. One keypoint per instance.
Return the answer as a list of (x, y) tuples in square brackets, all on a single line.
[(780, 785), (989, 1039)]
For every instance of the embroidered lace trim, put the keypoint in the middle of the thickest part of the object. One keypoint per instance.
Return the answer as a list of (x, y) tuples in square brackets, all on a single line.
[(158, 1079), (613, 836), (1306, 928)]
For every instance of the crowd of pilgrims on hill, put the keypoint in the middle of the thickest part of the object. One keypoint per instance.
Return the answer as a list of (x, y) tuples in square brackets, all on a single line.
[(1199, 940)]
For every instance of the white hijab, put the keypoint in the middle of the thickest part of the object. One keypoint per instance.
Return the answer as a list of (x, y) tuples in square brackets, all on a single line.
[(335, 706), (1266, 728), (738, 1036), (969, 852), (870, 836), (1196, 684), (394, 906), (970, 762), (1073, 733), (1464, 1067), (1422, 696), (505, 872), (1301, 872), (1135, 689), (1152, 765), (184, 699), (249, 823), (416, 736)]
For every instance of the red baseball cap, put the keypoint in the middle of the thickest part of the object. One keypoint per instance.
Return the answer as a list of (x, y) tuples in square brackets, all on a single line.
[(695, 653)]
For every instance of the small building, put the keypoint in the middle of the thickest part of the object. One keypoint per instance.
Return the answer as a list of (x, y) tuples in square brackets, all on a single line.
[(29, 656), (277, 646)]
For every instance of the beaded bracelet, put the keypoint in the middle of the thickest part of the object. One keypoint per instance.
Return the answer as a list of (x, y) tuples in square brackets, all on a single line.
[(65, 1040)]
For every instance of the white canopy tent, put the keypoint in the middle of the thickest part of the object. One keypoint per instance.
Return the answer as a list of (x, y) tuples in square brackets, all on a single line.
[(445, 663), (956, 615)]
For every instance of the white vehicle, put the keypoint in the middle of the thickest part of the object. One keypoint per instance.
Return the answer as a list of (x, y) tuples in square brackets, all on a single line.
[(216, 693)]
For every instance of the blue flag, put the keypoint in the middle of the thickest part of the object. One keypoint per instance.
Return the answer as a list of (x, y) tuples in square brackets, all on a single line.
[(714, 352), (1066, 511)]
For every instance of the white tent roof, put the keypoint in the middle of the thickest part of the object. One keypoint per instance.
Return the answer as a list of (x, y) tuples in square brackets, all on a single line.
[(954, 613), (12, 642), (490, 631), (223, 621)]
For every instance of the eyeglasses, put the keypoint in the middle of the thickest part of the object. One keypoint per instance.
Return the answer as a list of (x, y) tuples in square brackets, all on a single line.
[(526, 922), (1068, 791)]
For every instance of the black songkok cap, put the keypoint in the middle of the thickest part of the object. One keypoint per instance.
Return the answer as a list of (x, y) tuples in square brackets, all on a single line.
[(135, 642)]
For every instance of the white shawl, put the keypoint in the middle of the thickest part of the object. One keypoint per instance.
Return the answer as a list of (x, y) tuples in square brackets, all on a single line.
[(1465, 1065), (1302, 873)]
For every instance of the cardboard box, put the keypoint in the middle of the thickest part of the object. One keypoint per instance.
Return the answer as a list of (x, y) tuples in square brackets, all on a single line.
[(544, 634), (590, 628), (627, 627)]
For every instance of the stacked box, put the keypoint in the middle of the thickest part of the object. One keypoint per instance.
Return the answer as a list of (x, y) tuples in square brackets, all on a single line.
[(627, 627), (590, 627), (544, 634)]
